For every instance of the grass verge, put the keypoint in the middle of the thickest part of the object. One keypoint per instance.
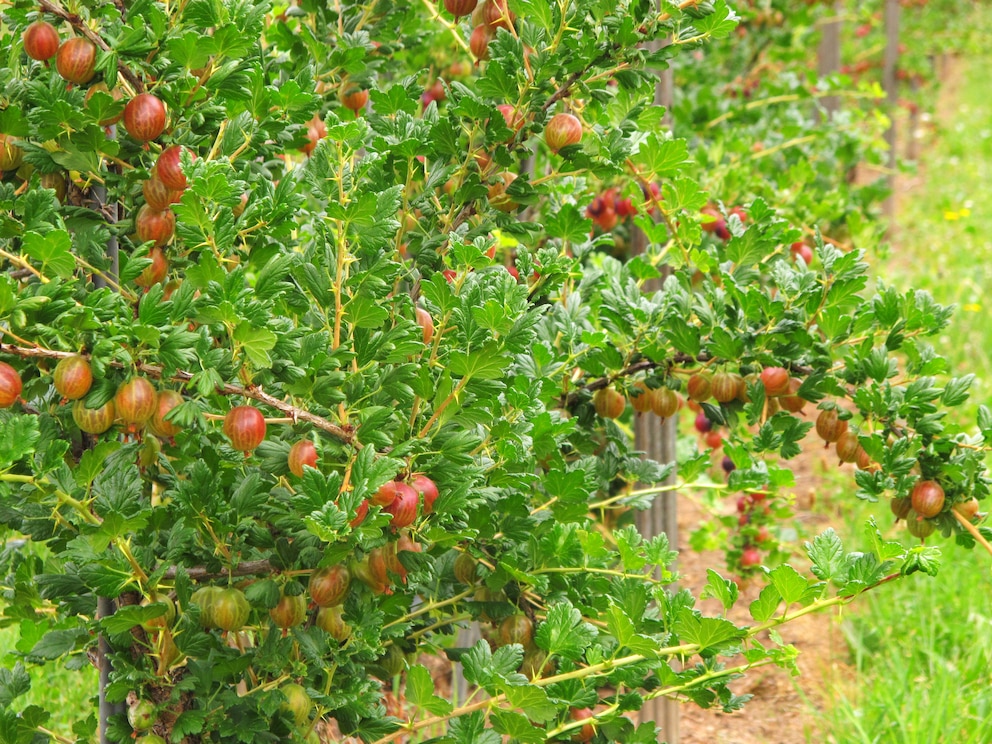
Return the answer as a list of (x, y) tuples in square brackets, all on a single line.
[(920, 650)]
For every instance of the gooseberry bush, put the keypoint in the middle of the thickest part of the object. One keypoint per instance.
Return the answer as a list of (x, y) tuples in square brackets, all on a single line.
[(315, 350)]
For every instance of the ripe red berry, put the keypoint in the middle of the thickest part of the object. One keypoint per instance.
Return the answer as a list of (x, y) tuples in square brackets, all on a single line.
[(799, 250), (245, 427), (158, 226), (498, 198), (136, 401), (427, 490), (750, 557), (714, 439), (76, 60), (156, 271), (967, 509), (169, 169), (426, 324), (702, 423), (587, 732), (41, 41), (459, 8), (900, 507), (360, 513), (329, 586), (354, 99), (642, 397), (775, 380), (478, 42), (404, 507), (562, 131), (144, 117), (847, 446), (829, 425), (10, 385), (792, 402), (158, 424), (157, 195), (72, 377), (290, 611), (302, 453), (386, 494), (927, 498), (498, 15), (316, 131), (513, 118)]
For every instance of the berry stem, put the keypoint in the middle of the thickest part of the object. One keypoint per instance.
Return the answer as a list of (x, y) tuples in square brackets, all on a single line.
[(973, 530)]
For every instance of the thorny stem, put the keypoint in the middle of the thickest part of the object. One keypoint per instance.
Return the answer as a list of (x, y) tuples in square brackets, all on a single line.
[(125, 548), (973, 530), (18, 261), (655, 490), (444, 404), (605, 667), (429, 607)]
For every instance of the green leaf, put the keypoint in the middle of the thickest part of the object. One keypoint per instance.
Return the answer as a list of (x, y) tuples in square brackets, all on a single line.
[(420, 691), (256, 343), (516, 726), (718, 24), (792, 586), (58, 643), (569, 224), (661, 158), (713, 634), (485, 364), (884, 549), (126, 618), (53, 250), (18, 437), (723, 589), (765, 605), (826, 553), (622, 628), (471, 729), (564, 632), (956, 391), (363, 311), (13, 683), (532, 700)]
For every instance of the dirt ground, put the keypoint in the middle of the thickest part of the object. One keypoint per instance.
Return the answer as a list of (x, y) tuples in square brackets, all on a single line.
[(783, 708)]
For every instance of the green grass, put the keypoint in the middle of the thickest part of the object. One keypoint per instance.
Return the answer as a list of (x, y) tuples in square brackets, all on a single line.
[(919, 658), (67, 694), (920, 650)]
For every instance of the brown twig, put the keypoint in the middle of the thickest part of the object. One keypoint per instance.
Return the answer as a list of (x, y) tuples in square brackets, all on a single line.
[(296, 414), (77, 23), (248, 568)]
